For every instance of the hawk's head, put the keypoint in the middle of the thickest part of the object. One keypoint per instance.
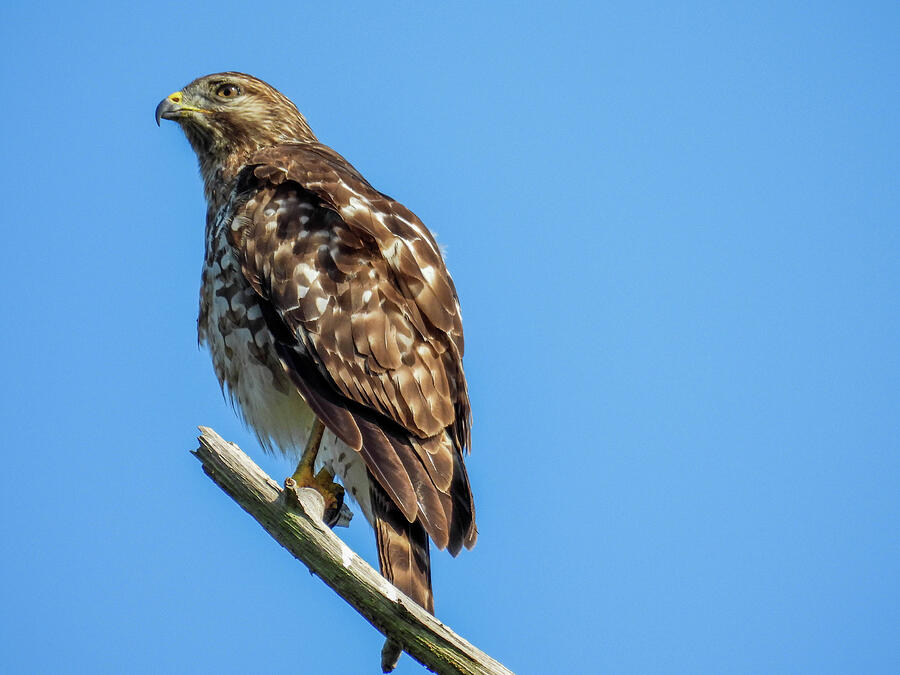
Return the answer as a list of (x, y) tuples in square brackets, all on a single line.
[(232, 113)]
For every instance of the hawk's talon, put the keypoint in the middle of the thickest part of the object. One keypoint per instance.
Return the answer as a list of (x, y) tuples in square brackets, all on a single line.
[(323, 482)]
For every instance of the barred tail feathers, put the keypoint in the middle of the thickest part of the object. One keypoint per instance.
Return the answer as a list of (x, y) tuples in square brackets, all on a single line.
[(404, 559)]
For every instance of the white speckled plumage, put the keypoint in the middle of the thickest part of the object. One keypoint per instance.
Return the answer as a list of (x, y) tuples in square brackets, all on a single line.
[(250, 372)]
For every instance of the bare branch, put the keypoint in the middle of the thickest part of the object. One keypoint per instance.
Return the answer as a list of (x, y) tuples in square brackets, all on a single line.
[(296, 523)]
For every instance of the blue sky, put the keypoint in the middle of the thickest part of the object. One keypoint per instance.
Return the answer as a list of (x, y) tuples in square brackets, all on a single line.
[(674, 231)]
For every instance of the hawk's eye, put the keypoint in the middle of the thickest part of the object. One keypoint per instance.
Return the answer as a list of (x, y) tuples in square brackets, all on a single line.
[(228, 91)]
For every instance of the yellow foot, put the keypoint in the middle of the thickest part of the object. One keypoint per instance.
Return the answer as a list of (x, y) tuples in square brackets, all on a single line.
[(323, 483)]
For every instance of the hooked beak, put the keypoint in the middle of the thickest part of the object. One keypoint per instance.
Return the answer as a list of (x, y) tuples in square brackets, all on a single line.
[(169, 107), (172, 107)]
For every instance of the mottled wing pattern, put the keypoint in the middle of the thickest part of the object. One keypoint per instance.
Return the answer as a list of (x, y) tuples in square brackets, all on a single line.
[(422, 289), (368, 325)]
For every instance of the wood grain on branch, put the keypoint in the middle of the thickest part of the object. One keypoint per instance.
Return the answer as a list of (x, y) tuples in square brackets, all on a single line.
[(293, 517)]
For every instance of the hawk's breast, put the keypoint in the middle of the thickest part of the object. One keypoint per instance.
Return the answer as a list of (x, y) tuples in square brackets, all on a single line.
[(242, 347)]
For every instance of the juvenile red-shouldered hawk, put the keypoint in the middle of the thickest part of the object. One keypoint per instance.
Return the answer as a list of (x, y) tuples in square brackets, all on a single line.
[(325, 303)]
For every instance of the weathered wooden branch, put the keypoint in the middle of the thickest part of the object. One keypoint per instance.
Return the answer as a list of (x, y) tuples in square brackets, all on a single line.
[(293, 517)]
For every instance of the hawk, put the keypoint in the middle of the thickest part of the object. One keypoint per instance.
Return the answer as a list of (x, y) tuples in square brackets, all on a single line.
[(332, 322)]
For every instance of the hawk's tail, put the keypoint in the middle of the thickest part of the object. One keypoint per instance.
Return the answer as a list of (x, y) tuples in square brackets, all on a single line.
[(403, 557)]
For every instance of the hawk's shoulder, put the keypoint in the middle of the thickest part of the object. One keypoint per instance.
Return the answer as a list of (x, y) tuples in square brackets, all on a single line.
[(404, 241)]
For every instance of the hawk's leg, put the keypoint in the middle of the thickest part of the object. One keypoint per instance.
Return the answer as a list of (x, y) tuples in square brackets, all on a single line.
[(322, 482)]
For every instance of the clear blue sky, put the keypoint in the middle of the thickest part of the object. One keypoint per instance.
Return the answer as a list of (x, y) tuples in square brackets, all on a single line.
[(675, 233)]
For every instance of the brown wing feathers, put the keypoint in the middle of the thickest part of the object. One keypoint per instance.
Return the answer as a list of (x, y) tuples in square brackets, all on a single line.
[(368, 327)]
